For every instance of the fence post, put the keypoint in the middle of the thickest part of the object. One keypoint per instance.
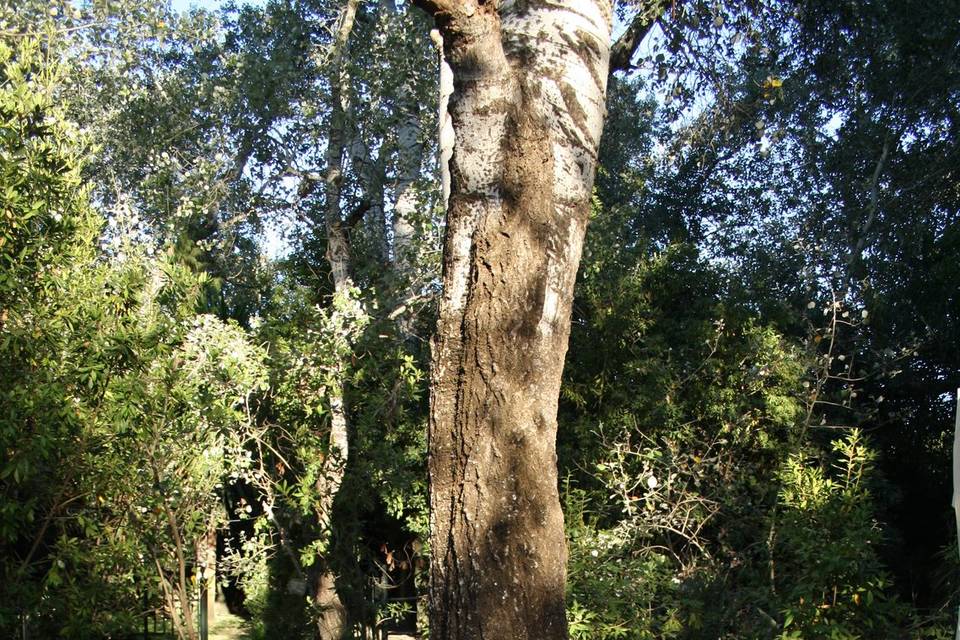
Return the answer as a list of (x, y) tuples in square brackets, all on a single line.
[(203, 610), (956, 480)]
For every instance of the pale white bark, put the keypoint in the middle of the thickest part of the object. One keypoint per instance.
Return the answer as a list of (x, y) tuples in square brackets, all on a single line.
[(488, 87), (445, 124), (406, 197), (569, 84), (338, 249), (572, 96)]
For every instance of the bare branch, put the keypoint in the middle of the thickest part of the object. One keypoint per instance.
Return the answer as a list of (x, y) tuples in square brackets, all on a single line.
[(622, 51), (438, 8)]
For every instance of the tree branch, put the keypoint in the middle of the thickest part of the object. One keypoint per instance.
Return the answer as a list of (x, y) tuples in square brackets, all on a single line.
[(443, 7), (355, 216), (622, 51)]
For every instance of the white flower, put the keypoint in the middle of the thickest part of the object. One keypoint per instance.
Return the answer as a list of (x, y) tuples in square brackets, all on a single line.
[(594, 553), (652, 482)]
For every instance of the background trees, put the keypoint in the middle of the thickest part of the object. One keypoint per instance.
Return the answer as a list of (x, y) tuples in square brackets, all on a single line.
[(122, 405), (776, 169), (770, 264)]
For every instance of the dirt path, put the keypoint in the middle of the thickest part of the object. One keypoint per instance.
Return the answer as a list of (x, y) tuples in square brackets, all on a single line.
[(227, 626)]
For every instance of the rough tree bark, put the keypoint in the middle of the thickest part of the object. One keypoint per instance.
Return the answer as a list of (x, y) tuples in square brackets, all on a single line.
[(529, 82)]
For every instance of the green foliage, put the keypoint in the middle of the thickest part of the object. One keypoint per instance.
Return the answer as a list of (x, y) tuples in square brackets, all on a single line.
[(679, 524), (678, 406), (122, 408), (46, 222), (619, 587), (783, 161), (160, 417), (307, 360), (47, 229), (826, 573)]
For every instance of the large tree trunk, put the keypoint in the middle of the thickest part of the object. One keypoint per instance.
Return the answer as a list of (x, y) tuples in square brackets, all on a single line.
[(527, 112)]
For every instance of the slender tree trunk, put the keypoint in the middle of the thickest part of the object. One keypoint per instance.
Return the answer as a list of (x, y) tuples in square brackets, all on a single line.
[(183, 620), (406, 198), (332, 614), (406, 211), (527, 111), (407, 169)]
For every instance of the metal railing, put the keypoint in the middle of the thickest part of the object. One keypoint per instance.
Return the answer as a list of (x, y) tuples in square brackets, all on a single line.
[(157, 624)]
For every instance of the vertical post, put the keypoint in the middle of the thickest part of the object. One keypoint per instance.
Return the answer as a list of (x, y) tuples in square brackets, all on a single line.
[(204, 587), (956, 481), (207, 557)]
